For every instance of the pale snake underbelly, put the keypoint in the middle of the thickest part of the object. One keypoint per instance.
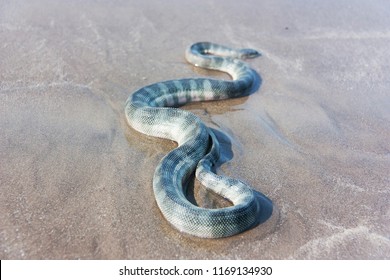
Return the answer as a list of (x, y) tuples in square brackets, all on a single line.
[(152, 111)]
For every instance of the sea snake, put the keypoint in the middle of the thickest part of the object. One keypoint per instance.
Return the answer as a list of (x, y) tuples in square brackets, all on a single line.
[(152, 110)]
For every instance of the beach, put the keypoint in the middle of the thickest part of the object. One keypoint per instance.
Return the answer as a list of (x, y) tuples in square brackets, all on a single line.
[(314, 138)]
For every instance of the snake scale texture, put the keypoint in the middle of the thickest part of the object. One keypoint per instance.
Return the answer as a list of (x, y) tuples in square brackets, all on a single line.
[(152, 110)]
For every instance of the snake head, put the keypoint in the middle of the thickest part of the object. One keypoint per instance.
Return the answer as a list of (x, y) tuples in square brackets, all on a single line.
[(249, 53)]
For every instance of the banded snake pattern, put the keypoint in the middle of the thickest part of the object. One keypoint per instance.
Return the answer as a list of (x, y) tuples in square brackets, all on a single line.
[(153, 110)]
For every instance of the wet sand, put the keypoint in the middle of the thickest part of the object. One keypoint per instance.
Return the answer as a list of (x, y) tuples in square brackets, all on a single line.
[(75, 180)]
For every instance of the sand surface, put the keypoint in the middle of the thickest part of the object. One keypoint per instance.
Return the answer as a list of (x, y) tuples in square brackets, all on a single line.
[(75, 180)]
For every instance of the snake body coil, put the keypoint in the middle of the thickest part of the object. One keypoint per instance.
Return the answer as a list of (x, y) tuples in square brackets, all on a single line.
[(151, 110)]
